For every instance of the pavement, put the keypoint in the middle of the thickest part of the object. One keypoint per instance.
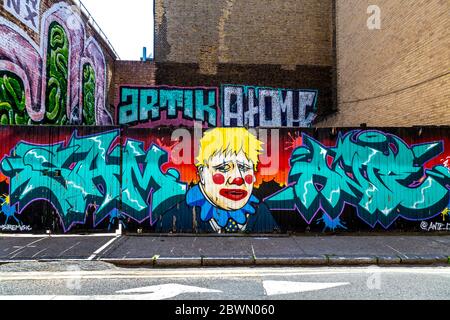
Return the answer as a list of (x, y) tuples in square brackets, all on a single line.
[(226, 251)]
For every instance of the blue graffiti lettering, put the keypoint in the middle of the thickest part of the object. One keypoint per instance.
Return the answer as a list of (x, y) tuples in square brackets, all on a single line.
[(143, 181), (87, 173), (145, 105), (377, 173)]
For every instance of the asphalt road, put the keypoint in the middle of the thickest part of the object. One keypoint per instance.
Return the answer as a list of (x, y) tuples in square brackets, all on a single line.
[(101, 281)]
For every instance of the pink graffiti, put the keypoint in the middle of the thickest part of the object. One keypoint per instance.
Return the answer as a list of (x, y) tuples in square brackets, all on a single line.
[(21, 56), (94, 54)]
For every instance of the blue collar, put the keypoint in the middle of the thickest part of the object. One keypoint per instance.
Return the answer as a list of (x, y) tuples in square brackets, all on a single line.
[(196, 198)]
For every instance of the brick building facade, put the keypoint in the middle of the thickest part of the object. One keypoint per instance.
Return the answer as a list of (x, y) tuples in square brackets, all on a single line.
[(278, 44), (396, 76)]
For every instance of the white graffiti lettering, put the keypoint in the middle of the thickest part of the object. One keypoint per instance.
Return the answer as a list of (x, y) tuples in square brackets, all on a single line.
[(435, 226), (27, 11), (263, 107), (14, 228)]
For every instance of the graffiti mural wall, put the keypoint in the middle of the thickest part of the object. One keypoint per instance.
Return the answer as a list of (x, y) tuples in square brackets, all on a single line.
[(59, 80), (223, 180), (150, 107), (240, 106), (26, 12), (266, 107)]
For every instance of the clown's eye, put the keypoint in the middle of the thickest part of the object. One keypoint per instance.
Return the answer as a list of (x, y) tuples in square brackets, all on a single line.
[(223, 168), (244, 168)]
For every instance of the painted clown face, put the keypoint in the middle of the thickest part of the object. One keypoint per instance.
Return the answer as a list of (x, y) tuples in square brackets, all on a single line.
[(227, 180)]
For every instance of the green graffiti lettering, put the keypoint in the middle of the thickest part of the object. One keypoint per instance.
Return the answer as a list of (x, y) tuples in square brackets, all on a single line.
[(88, 95), (12, 100), (57, 75)]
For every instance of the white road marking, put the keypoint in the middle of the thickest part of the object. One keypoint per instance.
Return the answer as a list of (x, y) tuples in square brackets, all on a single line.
[(69, 249), (160, 292), (39, 253), (24, 247), (167, 291), (99, 250), (209, 273), (19, 252), (404, 256), (274, 288)]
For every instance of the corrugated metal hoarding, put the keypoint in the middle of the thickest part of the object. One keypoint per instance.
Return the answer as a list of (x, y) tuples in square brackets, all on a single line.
[(224, 180)]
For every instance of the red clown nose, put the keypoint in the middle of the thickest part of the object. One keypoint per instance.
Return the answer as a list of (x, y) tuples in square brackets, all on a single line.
[(238, 181)]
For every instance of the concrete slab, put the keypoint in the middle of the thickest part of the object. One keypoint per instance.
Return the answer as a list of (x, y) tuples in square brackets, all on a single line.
[(335, 245), (50, 248), (181, 262), (389, 260), (379, 245), (276, 247), (352, 260), (130, 262), (11, 246), (148, 247), (292, 261), (415, 245), (227, 261), (424, 260)]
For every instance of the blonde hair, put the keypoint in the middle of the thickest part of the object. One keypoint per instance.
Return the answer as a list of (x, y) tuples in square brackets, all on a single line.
[(229, 141)]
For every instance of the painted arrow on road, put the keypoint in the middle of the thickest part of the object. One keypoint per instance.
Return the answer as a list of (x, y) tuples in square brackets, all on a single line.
[(286, 287), (160, 292), (167, 291)]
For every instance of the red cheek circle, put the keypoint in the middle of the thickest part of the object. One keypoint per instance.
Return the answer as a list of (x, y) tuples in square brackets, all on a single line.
[(249, 179), (218, 179)]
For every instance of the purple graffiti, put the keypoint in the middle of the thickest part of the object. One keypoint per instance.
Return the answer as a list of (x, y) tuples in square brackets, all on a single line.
[(21, 56)]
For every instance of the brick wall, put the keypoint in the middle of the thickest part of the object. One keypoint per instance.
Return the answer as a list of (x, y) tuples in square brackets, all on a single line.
[(274, 43), (396, 76), (273, 76), (285, 32), (133, 73)]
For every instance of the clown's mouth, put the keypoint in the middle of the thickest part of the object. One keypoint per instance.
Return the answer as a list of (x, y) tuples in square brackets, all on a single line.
[(234, 194)]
